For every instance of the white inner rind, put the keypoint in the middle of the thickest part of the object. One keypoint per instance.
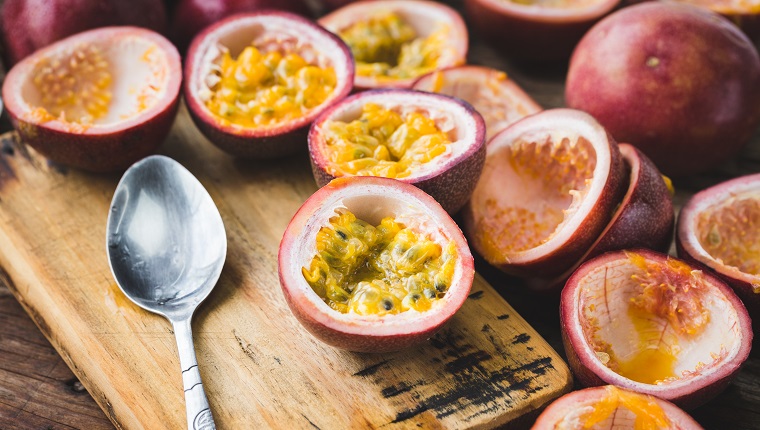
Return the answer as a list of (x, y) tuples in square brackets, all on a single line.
[(371, 203), (452, 118), (547, 10), (139, 69), (605, 294)]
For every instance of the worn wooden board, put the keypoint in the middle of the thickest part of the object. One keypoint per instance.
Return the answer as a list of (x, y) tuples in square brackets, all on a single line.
[(261, 368)]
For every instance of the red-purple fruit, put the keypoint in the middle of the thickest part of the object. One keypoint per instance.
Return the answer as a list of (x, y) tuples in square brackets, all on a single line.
[(679, 82), (192, 16), (550, 185), (373, 265), (717, 228), (540, 30), (28, 25), (396, 41), (610, 407), (254, 82), (434, 142), (497, 98), (653, 324), (99, 100)]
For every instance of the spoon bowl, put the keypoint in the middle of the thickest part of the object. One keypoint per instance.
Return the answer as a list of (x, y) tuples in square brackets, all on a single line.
[(166, 246)]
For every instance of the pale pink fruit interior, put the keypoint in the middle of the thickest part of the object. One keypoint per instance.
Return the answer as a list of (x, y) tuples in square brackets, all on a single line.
[(700, 327), (620, 418)]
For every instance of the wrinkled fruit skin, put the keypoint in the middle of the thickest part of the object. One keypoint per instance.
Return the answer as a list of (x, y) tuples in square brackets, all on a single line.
[(677, 81), (192, 16), (28, 25)]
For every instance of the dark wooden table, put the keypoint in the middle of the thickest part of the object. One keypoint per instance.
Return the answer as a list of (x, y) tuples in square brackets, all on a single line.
[(38, 391)]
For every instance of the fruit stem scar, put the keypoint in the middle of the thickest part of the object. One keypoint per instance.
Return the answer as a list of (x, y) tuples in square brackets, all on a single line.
[(653, 62)]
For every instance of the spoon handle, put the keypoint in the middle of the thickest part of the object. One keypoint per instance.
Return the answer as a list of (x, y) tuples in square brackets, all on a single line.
[(196, 404)]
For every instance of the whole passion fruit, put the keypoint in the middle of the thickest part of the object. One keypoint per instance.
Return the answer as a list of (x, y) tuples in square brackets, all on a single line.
[(677, 81), (610, 407), (716, 228), (373, 265), (99, 100), (254, 82), (653, 324), (497, 98), (28, 25), (396, 41), (434, 142), (536, 30), (550, 185)]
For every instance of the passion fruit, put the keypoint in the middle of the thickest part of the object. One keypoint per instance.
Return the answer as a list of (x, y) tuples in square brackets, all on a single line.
[(549, 187), (715, 228), (28, 25), (394, 42), (254, 82), (497, 98), (678, 81), (611, 407), (192, 16), (536, 30), (653, 324), (434, 142), (99, 100), (373, 265)]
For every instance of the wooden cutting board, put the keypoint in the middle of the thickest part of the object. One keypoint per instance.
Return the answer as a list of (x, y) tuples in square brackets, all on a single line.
[(261, 369)]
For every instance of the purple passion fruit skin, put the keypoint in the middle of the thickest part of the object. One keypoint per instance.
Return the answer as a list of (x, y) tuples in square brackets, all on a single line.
[(277, 139), (454, 173), (109, 129), (652, 294), (370, 199), (677, 81)]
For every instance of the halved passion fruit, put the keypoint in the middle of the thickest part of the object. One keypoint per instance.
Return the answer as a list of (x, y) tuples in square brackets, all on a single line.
[(717, 228), (499, 99), (255, 81), (653, 324), (396, 41), (610, 407), (99, 100), (536, 30), (550, 185), (434, 142), (373, 265)]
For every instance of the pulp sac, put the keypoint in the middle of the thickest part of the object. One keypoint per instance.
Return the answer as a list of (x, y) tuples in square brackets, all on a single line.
[(619, 407), (267, 88), (383, 142), (729, 234), (378, 270), (553, 178), (386, 45), (75, 87)]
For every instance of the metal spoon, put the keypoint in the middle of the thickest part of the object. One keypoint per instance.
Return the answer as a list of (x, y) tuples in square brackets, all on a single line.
[(166, 246)]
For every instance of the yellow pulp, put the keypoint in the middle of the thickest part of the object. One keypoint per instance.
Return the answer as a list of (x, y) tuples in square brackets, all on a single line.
[(649, 415), (74, 87), (379, 270), (386, 45), (261, 89), (384, 143), (655, 359), (728, 233)]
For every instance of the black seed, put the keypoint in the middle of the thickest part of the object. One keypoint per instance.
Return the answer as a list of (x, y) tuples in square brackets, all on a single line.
[(342, 235), (415, 297), (387, 304), (429, 293), (440, 286)]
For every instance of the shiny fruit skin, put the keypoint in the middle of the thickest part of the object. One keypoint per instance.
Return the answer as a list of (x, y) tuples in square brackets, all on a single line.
[(679, 82), (28, 25), (192, 16)]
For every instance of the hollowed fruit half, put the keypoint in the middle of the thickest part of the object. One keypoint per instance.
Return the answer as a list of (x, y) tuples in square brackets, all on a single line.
[(256, 81), (497, 98), (434, 142), (610, 407), (536, 30), (653, 324), (396, 41), (549, 186), (373, 264), (717, 228), (99, 100)]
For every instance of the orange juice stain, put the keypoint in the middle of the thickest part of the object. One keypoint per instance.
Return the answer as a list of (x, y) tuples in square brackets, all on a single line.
[(649, 415)]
